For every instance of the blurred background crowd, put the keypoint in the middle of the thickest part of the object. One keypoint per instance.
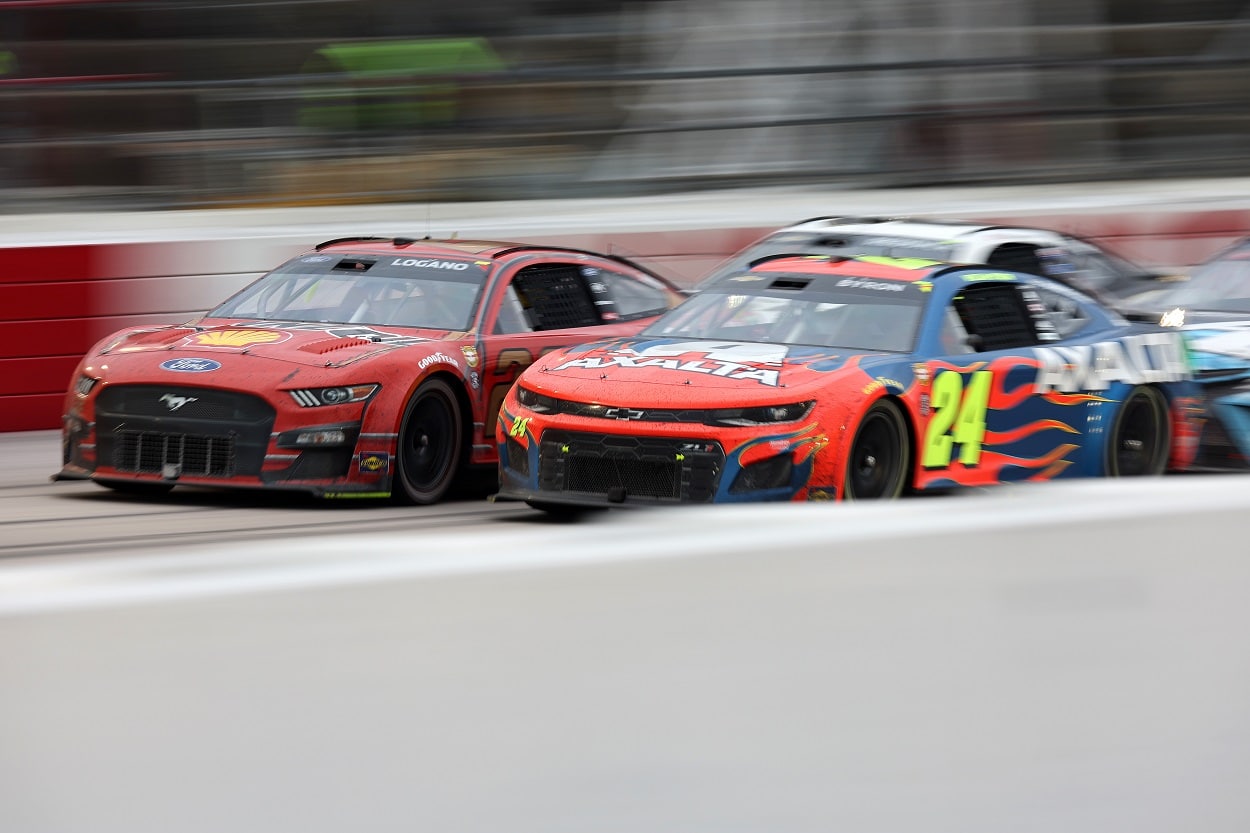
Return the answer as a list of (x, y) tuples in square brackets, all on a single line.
[(156, 104)]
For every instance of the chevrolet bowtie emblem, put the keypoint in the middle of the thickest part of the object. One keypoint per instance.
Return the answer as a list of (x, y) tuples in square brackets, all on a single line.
[(623, 413)]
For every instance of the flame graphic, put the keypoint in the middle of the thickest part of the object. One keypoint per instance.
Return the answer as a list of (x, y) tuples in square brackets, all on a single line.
[(1017, 434), (1073, 398)]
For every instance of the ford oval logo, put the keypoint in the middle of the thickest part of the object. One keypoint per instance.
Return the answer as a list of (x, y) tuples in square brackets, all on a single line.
[(190, 365)]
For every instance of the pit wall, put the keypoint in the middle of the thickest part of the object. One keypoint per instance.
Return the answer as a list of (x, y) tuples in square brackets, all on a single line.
[(56, 300)]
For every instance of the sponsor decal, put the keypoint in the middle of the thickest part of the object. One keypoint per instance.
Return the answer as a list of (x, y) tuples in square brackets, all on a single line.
[(236, 338), (190, 365), (315, 259), (732, 360), (374, 462), (435, 358), (470, 356), (864, 283), (173, 401), (430, 263), (1134, 360), (345, 331), (989, 276)]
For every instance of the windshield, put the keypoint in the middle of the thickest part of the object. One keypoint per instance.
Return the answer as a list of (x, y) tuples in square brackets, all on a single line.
[(399, 292), (1221, 285), (848, 320)]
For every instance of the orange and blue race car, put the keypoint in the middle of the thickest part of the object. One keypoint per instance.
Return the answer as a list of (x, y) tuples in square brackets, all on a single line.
[(830, 377), (366, 367)]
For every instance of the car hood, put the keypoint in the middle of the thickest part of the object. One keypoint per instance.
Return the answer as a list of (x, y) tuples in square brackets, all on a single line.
[(320, 345), (652, 373)]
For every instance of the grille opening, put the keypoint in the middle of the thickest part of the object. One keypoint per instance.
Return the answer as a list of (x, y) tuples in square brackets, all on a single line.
[(641, 478), (151, 452)]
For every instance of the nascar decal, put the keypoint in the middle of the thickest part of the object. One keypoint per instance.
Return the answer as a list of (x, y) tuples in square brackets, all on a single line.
[(1135, 360), (235, 338), (731, 359), (352, 331)]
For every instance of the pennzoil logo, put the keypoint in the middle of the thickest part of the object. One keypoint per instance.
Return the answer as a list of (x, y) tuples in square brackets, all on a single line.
[(236, 338)]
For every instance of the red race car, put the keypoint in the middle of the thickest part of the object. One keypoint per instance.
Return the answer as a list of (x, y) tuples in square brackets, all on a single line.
[(367, 367), (830, 377)]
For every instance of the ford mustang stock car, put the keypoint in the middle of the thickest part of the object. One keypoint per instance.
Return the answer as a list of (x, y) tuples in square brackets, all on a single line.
[(830, 377), (366, 367)]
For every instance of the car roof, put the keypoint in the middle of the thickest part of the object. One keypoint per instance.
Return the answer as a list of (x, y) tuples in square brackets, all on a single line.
[(935, 230), (449, 246), (904, 270), (481, 249)]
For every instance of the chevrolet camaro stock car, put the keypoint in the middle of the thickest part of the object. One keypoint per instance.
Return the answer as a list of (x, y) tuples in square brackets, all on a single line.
[(1211, 309), (830, 377), (1052, 254), (367, 367)]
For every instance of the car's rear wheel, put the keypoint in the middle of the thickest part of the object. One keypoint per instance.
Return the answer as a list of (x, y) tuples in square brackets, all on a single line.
[(1141, 438), (880, 455), (431, 440)]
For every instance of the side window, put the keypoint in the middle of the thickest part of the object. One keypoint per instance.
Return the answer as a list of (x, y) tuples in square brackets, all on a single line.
[(996, 316), (547, 296), (626, 297), (1016, 257), (1065, 314)]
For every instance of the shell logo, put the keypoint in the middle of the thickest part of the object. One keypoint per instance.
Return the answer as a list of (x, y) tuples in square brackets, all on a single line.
[(236, 338)]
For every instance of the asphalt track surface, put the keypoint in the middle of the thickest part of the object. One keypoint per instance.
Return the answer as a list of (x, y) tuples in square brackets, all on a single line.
[(44, 518), (1065, 657)]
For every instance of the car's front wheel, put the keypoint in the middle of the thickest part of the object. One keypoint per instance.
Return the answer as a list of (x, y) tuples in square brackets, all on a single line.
[(880, 454), (1141, 439), (431, 440)]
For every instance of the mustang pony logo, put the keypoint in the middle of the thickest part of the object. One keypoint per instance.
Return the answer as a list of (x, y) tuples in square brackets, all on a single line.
[(173, 401), (732, 359)]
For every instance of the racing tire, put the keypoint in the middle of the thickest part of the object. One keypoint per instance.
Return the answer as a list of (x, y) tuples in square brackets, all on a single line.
[(1141, 438), (137, 488), (880, 454), (431, 444)]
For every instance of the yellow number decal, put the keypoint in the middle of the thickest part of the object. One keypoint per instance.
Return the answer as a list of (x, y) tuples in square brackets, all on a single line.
[(519, 426), (958, 417)]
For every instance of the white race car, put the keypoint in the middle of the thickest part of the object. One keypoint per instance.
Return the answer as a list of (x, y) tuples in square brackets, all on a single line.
[(1051, 254)]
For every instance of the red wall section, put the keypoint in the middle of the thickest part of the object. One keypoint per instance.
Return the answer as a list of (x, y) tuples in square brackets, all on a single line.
[(56, 301)]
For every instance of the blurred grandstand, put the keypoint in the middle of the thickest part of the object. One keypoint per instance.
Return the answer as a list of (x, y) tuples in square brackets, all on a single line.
[(155, 104)]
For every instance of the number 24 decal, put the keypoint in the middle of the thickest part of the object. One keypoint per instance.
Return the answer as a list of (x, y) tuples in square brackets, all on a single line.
[(958, 417)]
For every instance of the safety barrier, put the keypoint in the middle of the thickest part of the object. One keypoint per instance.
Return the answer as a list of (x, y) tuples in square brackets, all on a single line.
[(57, 299)]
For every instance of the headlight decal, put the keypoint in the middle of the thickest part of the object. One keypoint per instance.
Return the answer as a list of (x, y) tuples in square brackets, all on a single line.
[(339, 395)]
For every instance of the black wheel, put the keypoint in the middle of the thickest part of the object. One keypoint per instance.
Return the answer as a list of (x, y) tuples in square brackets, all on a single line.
[(1141, 439), (138, 488), (431, 442), (880, 454)]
